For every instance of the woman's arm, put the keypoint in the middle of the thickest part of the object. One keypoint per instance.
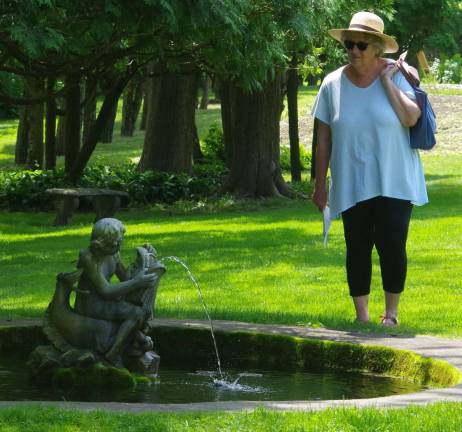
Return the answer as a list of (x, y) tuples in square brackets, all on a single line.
[(405, 108), (323, 151)]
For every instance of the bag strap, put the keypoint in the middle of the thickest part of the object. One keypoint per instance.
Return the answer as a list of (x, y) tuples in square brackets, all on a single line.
[(409, 72)]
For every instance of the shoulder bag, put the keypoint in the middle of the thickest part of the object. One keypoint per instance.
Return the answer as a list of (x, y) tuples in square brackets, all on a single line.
[(422, 134)]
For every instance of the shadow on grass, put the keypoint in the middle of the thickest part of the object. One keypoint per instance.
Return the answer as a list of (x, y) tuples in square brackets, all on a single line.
[(7, 159), (281, 245)]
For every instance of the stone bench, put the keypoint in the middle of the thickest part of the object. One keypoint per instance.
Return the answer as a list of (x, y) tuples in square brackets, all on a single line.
[(105, 202)]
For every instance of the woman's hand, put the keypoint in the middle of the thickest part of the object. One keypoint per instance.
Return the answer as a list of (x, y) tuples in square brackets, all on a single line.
[(320, 196), (389, 69), (405, 108)]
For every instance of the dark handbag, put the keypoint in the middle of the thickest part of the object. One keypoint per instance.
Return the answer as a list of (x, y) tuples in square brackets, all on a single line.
[(422, 134)]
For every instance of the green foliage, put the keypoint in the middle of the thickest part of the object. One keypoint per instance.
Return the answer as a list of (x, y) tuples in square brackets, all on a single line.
[(21, 190), (214, 144), (312, 64), (416, 21), (305, 158), (448, 70), (26, 189), (12, 85), (446, 41), (319, 53), (267, 28)]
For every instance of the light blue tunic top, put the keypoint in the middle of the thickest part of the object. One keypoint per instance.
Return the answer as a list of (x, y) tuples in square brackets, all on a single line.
[(371, 153)]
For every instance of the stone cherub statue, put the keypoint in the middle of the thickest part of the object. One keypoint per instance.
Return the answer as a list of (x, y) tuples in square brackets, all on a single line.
[(109, 320)]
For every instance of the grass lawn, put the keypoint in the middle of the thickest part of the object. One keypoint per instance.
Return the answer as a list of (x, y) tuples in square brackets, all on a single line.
[(256, 261), (439, 417), (262, 266), (306, 97)]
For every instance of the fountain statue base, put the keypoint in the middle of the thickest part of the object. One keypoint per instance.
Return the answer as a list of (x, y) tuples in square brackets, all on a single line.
[(80, 369), (108, 324), (148, 363)]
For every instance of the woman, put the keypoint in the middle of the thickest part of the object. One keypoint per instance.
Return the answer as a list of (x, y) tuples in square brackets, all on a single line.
[(364, 112)]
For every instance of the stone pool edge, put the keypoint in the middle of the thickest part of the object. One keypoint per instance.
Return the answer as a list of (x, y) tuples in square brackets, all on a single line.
[(438, 348)]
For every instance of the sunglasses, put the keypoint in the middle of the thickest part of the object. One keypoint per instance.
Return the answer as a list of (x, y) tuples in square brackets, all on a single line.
[(349, 45)]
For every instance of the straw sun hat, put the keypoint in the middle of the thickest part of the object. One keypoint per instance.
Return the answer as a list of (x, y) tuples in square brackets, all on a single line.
[(366, 22)]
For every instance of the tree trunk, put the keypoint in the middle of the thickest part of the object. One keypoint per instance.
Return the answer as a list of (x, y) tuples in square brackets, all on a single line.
[(205, 84), (61, 129), (151, 98), (131, 106), (72, 131), (22, 137), (36, 89), (197, 151), (292, 91), (168, 144), (228, 107), (108, 130), (50, 128), (89, 109), (215, 85), (110, 101), (254, 170), (144, 112)]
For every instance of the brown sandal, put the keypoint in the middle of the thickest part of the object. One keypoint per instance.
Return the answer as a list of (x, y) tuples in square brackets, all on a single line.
[(388, 321)]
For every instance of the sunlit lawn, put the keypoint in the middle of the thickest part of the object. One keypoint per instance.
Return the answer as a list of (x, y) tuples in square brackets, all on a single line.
[(263, 266), (439, 417)]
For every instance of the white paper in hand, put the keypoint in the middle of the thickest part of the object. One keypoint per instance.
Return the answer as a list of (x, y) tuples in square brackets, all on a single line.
[(326, 224)]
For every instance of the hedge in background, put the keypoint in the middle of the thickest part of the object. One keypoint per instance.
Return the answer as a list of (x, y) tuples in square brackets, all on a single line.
[(25, 190)]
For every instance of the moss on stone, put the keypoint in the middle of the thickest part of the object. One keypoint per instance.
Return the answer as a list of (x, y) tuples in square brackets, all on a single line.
[(94, 378), (142, 379), (64, 378), (193, 348)]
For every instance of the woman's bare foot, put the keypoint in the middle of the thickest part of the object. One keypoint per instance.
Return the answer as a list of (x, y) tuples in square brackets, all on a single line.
[(361, 308)]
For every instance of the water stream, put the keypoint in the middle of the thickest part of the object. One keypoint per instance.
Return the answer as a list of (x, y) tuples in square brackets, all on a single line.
[(221, 381)]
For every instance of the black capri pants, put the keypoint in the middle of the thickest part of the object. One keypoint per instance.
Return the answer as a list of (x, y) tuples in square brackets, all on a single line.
[(383, 222)]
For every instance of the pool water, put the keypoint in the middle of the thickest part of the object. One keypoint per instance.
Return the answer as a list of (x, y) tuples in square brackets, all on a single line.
[(180, 386)]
